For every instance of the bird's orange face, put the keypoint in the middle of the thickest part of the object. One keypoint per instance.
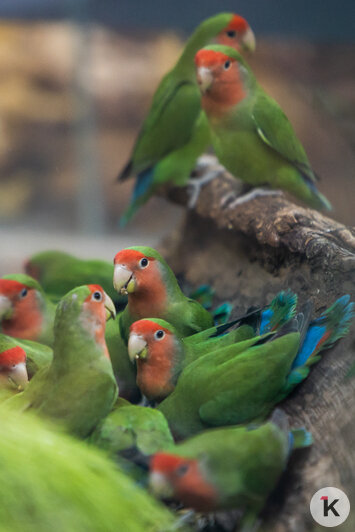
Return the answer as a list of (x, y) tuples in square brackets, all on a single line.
[(238, 34), (180, 478), (220, 81), (20, 310), (140, 277), (13, 371), (96, 310)]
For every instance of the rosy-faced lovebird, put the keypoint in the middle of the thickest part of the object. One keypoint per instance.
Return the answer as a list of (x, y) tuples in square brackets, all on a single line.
[(59, 272), (175, 132), (228, 468), (251, 135), (78, 389), (13, 371), (161, 359), (37, 355), (242, 382), (25, 310), (50, 481), (153, 291)]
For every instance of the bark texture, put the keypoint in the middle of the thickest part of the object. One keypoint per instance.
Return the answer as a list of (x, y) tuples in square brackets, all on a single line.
[(248, 253)]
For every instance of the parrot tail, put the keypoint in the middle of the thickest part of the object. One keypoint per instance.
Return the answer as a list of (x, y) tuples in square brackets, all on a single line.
[(222, 313), (204, 295), (318, 200), (323, 332), (141, 194), (297, 438), (280, 311), (126, 172)]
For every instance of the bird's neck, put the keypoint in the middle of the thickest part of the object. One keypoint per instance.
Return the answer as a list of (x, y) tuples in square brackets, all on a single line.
[(150, 301), (27, 321)]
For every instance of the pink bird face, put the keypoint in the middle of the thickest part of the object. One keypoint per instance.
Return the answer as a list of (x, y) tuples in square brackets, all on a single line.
[(238, 34), (13, 371)]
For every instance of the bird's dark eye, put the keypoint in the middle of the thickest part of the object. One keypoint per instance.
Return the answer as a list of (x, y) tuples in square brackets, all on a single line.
[(226, 65), (159, 335), (182, 470), (231, 33), (97, 296), (144, 263), (23, 292)]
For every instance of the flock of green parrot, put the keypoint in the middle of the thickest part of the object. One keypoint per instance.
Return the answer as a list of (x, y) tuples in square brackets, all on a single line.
[(211, 98), (123, 387), (181, 405)]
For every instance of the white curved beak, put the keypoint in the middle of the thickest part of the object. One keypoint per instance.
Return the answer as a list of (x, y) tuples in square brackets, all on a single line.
[(110, 308), (204, 78), (248, 41), (5, 306), (123, 279), (18, 375), (137, 347), (160, 486)]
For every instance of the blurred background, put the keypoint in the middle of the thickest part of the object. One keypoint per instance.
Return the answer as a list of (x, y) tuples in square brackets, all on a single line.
[(77, 77)]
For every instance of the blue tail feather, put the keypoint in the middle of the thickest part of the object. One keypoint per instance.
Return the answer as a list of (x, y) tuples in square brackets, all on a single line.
[(141, 193), (280, 310)]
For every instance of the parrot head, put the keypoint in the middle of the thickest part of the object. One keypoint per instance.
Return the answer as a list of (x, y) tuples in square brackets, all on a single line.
[(22, 306), (153, 344), (237, 34), (223, 78), (85, 309), (183, 479), (142, 274), (13, 371)]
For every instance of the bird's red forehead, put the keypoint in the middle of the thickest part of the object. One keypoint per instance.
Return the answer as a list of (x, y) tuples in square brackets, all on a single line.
[(166, 463), (12, 356), (238, 24), (9, 287), (128, 256), (94, 288), (145, 327), (210, 58)]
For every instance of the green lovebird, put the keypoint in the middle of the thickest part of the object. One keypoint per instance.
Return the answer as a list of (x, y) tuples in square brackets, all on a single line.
[(228, 468), (25, 310), (161, 359), (37, 356), (78, 389), (50, 481), (251, 135), (59, 272), (13, 370), (175, 132), (241, 382), (152, 291), (132, 428)]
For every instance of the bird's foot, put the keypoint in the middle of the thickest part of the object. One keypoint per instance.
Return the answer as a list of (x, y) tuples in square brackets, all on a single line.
[(197, 183), (205, 161), (255, 193), (186, 518)]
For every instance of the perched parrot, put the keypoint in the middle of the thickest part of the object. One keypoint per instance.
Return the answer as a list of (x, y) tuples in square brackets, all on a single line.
[(175, 132), (251, 135), (161, 359), (78, 389), (52, 482), (38, 355), (152, 291), (241, 382), (60, 272), (130, 428), (13, 371), (228, 468), (25, 310)]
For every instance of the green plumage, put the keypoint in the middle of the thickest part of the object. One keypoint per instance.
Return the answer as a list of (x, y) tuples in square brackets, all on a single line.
[(49, 481), (78, 389), (59, 272), (131, 427), (255, 141)]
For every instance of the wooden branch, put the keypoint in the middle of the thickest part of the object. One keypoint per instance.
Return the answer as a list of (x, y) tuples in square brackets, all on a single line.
[(249, 253)]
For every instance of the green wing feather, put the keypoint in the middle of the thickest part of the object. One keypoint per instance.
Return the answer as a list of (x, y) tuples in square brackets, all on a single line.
[(275, 130)]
